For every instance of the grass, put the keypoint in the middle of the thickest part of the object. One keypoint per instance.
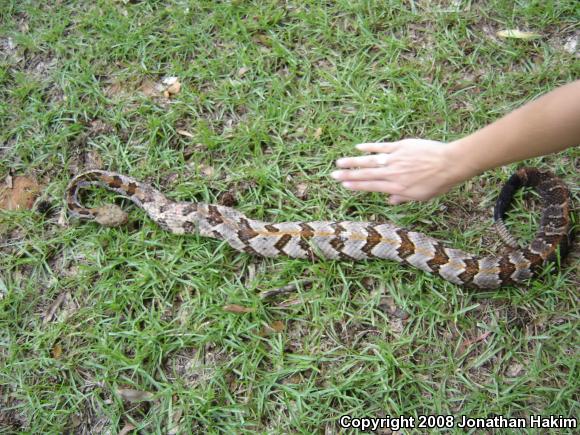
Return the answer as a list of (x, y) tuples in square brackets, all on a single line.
[(143, 309)]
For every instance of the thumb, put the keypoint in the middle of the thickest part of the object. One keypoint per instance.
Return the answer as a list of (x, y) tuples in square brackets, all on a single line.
[(396, 199)]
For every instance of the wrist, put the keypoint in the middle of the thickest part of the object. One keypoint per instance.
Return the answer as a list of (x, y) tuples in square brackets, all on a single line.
[(465, 161)]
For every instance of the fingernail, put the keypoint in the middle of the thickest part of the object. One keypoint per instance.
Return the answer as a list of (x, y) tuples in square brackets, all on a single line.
[(359, 146), (340, 162), (336, 174), (347, 184)]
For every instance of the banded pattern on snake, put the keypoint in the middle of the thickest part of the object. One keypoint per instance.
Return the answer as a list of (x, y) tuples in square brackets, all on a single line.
[(351, 240)]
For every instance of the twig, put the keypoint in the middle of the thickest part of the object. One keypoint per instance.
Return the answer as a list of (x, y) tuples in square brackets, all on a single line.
[(290, 288)]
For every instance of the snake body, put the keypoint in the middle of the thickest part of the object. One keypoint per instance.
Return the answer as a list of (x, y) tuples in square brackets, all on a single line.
[(352, 240)]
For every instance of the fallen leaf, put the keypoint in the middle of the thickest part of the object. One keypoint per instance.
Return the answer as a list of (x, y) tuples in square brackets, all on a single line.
[(290, 303), (318, 133), (110, 215), (126, 429), (172, 86), (9, 181), (470, 341), (51, 310), (289, 288), (134, 395), (243, 70), (185, 133), (274, 328), (518, 34), (19, 193), (238, 309), (56, 351)]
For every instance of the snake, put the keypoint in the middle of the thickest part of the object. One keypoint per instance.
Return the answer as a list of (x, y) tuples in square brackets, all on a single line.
[(351, 240)]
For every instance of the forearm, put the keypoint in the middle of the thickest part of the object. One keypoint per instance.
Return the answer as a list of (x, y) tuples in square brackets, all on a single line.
[(546, 125)]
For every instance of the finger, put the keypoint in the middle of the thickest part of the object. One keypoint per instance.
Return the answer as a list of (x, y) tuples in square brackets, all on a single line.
[(399, 199), (378, 147), (360, 174), (370, 161), (374, 186)]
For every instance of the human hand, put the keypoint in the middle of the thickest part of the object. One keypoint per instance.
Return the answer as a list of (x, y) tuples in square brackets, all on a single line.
[(410, 169)]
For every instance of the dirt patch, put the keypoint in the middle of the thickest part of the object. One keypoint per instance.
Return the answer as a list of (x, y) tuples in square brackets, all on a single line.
[(8, 49), (19, 193), (11, 420), (195, 367)]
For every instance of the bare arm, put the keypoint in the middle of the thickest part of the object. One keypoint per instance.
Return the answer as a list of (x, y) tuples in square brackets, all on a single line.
[(416, 169)]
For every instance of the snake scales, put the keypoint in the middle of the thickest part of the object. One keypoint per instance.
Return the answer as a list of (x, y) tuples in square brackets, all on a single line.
[(352, 240)]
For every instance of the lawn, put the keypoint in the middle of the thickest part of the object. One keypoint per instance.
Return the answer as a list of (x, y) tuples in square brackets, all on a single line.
[(108, 330)]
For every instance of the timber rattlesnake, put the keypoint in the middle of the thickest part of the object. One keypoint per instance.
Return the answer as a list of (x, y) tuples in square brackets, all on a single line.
[(351, 240)]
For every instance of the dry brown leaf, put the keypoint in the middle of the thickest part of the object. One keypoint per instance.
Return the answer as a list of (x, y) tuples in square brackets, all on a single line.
[(185, 133), (243, 70), (273, 328), (51, 310), (126, 429), (318, 133), (278, 326), (470, 341), (134, 395), (290, 303), (517, 34), (21, 194), (238, 309), (171, 85), (174, 88), (56, 351), (110, 215)]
